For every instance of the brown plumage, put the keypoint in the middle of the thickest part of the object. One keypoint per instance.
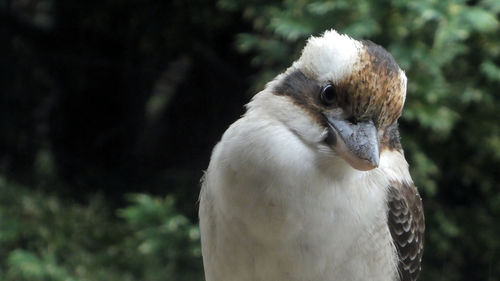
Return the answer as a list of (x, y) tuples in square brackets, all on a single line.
[(376, 89), (407, 226)]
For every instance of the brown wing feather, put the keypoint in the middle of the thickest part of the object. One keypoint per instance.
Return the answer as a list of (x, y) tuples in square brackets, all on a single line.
[(407, 226)]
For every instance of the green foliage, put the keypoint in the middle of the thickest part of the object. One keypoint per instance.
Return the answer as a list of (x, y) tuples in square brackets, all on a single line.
[(450, 51), (166, 242), (42, 237)]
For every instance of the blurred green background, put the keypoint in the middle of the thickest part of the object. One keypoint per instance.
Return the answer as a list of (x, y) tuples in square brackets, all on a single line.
[(109, 110)]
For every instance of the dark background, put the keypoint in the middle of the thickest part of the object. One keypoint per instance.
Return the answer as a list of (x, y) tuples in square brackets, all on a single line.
[(109, 111), (81, 83)]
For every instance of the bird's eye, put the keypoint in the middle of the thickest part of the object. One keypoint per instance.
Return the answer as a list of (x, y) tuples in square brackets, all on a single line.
[(328, 94)]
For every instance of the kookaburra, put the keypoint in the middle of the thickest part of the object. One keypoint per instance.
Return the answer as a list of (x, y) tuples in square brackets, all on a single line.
[(311, 183)]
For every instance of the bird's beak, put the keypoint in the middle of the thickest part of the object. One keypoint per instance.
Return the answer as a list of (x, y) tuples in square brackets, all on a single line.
[(356, 143)]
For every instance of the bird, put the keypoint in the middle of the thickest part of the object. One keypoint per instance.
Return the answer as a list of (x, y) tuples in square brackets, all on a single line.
[(311, 183)]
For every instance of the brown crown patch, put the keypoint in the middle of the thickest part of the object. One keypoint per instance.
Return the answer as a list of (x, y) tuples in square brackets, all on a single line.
[(376, 89)]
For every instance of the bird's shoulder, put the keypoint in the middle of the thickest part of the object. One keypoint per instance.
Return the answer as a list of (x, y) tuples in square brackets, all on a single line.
[(407, 226), (405, 211)]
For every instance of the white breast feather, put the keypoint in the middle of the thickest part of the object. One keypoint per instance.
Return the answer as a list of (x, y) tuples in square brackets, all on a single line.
[(272, 208)]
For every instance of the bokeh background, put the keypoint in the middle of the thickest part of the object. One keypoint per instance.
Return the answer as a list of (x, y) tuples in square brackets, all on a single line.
[(109, 111)]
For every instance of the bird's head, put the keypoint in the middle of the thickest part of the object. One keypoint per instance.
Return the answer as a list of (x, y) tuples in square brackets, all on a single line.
[(352, 90)]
